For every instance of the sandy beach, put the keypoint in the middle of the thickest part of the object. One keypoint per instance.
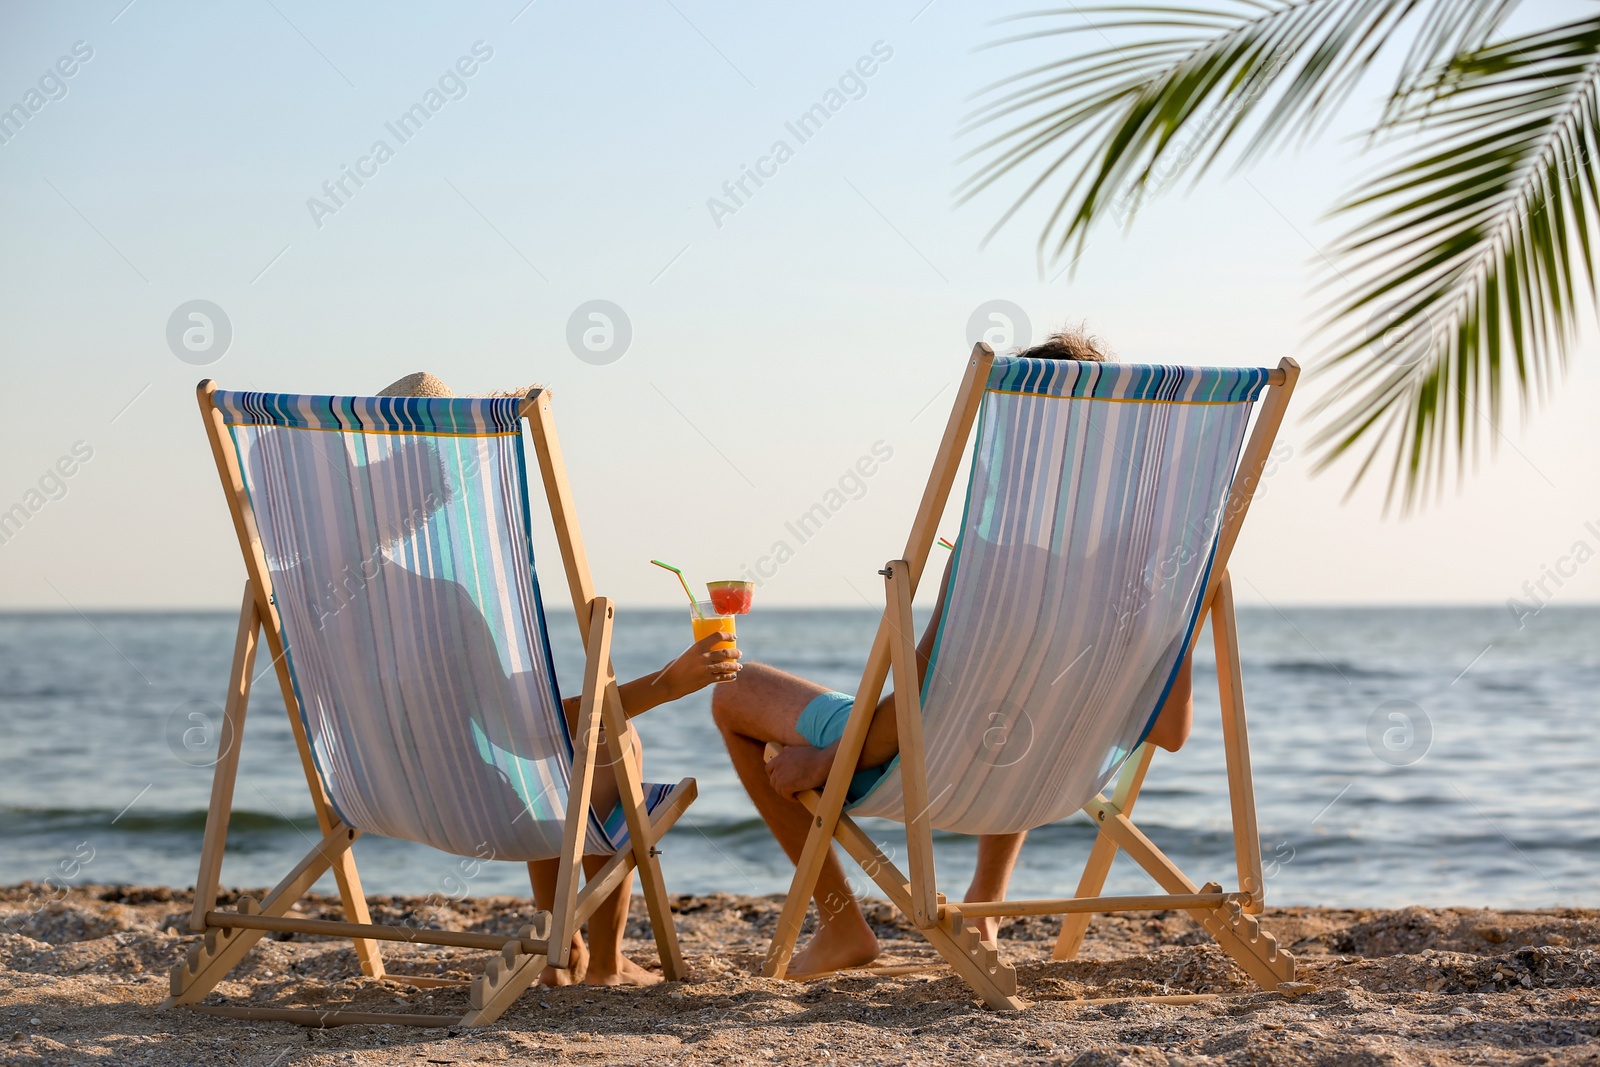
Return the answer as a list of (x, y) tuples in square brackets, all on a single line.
[(81, 977), (1142, 452)]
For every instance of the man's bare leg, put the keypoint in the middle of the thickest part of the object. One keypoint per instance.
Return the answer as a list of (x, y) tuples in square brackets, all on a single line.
[(761, 707), (997, 857)]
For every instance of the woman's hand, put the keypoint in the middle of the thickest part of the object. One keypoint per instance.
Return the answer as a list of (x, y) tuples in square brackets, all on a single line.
[(699, 666)]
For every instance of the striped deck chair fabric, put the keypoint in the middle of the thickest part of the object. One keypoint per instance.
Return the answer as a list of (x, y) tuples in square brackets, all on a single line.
[(397, 535), (1096, 494)]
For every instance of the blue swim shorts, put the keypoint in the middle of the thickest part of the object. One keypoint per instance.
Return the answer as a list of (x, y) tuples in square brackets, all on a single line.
[(822, 723)]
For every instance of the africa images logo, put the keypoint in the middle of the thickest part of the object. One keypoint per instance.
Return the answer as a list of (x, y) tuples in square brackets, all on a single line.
[(451, 85), (852, 85)]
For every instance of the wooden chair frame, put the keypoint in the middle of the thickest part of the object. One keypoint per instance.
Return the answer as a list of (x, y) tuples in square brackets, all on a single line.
[(1228, 916), (229, 935)]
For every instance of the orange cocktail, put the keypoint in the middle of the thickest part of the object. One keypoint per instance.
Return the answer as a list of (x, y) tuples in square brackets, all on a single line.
[(707, 622)]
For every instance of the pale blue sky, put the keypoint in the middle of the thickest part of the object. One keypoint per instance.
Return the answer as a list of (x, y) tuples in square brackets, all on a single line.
[(768, 353)]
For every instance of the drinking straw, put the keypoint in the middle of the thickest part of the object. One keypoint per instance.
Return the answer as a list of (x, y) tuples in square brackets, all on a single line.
[(945, 544), (694, 605)]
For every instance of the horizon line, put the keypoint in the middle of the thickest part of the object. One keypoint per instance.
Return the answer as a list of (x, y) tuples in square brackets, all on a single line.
[(676, 608)]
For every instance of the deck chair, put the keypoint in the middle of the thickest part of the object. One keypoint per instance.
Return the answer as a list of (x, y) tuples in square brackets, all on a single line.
[(1104, 501), (390, 571)]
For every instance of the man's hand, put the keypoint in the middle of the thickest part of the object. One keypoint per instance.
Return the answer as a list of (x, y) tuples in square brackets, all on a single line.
[(699, 666), (800, 767)]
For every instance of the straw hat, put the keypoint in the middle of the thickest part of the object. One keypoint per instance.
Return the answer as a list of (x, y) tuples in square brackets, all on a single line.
[(420, 383)]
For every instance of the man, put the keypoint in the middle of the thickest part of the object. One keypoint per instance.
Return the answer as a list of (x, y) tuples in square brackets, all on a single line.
[(770, 705)]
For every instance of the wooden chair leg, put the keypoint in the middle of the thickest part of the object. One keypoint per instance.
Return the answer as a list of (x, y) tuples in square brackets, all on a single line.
[(226, 772), (618, 871), (653, 885), (210, 961), (356, 911), (1238, 934), (795, 905), (575, 834), (510, 973), (959, 942), (1075, 927), (642, 836), (913, 769), (506, 976), (1236, 749)]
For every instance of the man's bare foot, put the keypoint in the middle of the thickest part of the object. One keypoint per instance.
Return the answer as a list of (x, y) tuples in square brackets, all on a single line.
[(845, 942), (629, 973), (572, 974)]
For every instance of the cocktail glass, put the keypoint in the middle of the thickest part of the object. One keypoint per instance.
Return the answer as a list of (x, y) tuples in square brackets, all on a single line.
[(706, 622)]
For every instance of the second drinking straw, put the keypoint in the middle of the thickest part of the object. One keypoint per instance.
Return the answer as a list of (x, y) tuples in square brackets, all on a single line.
[(694, 605)]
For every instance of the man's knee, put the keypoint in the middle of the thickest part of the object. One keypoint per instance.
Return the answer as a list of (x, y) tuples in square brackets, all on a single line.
[(734, 717), (730, 701), (762, 705), (722, 705)]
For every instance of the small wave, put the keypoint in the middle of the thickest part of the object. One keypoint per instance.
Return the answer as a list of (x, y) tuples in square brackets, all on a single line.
[(46, 692), (724, 829), (1491, 685), (1336, 668), (23, 821)]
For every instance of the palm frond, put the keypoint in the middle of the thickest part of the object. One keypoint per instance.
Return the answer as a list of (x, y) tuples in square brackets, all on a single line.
[(1471, 253), (1449, 29), (1182, 86)]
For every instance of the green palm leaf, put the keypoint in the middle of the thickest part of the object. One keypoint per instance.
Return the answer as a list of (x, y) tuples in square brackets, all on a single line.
[(1182, 85), (1469, 251), (1470, 256)]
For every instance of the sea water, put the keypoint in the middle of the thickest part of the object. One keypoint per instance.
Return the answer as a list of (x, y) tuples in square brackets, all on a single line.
[(1431, 756)]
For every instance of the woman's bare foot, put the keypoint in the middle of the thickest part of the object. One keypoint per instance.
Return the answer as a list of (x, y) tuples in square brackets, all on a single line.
[(628, 973), (572, 974), (988, 928), (845, 942)]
